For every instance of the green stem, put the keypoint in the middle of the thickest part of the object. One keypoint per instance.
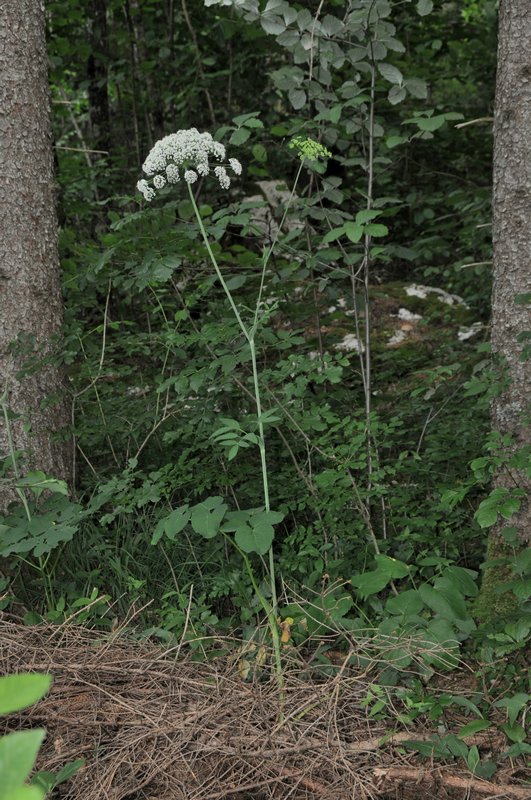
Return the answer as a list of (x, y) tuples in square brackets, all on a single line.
[(267, 255), (272, 608), (215, 263)]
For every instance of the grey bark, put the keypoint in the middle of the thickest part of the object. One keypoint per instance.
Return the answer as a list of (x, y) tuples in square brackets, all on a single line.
[(512, 234), (30, 294)]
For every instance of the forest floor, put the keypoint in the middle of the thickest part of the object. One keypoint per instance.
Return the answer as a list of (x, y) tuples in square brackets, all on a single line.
[(153, 724)]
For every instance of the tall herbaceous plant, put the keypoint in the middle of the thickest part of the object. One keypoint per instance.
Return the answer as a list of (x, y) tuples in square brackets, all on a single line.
[(183, 158)]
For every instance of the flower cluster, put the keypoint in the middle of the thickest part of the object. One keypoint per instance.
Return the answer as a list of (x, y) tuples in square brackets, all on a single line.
[(186, 152), (309, 149)]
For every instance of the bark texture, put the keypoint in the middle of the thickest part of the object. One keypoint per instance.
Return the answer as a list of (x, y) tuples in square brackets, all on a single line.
[(30, 294), (512, 260)]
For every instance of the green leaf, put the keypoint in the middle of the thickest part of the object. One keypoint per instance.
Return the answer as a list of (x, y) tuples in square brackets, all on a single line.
[(240, 136), (446, 655), (391, 567), (463, 580), (424, 7), (514, 732), (455, 746), (514, 704), (366, 215), (395, 141), (396, 94), (259, 153), (206, 517), (486, 515), (272, 24), (267, 517), (331, 26), (376, 230), (234, 519), (297, 98), (334, 234), (474, 727), (408, 603), (257, 539), (24, 793), (370, 582), (435, 600), (176, 521), (249, 120), (18, 753), (353, 231), (417, 87), (390, 73), (21, 691), (472, 759)]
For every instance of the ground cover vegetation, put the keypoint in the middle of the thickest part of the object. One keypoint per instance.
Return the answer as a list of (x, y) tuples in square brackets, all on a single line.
[(280, 380)]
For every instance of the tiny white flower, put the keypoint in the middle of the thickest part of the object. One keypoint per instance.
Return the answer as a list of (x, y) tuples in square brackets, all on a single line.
[(172, 173), (235, 166), (223, 178), (218, 150), (189, 151), (146, 190)]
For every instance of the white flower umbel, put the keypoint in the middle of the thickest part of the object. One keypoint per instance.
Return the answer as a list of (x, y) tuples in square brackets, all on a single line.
[(223, 178), (146, 190), (186, 154)]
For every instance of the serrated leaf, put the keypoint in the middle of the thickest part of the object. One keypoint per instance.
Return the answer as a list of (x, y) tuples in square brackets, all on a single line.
[(424, 7), (240, 136), (334, 234), (376, 230), (331, 25), (354, 232), (396, 95), (297, 98), (486, 515), (20, 691), (395, 141), (390, 73), (366, 215), (272, 24), (417, 87)]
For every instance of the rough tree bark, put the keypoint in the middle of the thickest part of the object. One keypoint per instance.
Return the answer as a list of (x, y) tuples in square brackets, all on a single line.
[(512, 270), (30, 294)]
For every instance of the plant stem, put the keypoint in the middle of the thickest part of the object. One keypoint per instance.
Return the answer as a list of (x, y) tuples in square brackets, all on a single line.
[(271, 609)]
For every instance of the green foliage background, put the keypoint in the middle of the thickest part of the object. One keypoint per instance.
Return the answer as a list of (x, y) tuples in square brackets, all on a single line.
[(379, 530)]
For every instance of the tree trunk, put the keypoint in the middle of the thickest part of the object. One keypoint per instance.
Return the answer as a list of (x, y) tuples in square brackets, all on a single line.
[(30, 294), (512, 271)]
